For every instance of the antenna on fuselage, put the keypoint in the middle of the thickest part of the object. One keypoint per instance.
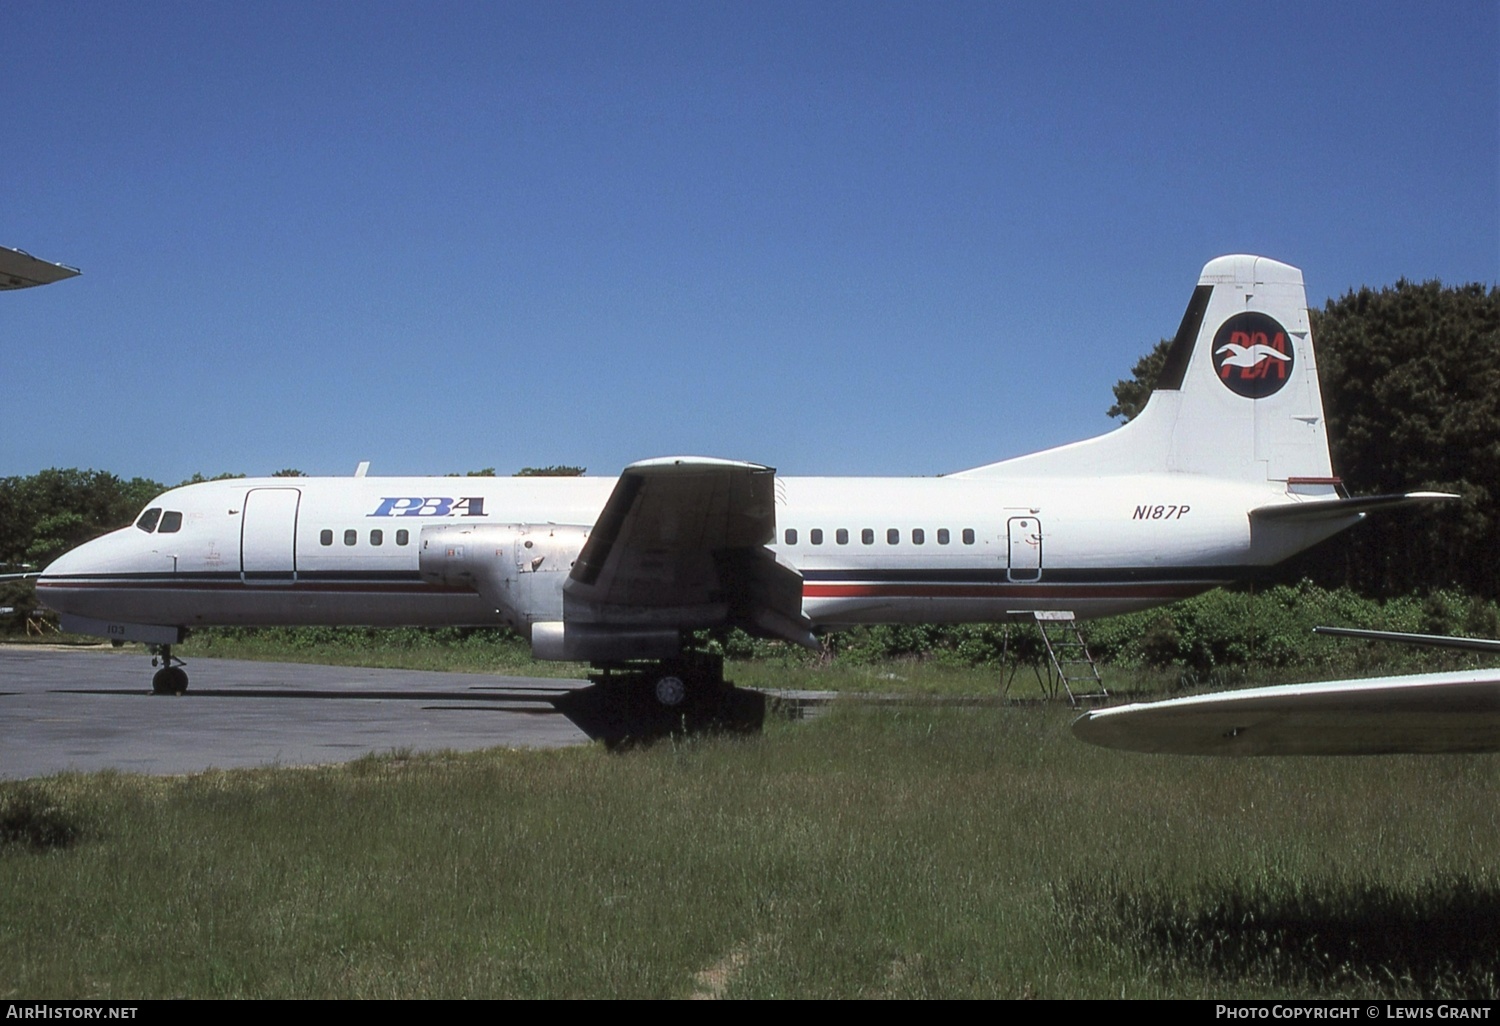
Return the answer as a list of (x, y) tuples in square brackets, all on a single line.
[(362, 469)]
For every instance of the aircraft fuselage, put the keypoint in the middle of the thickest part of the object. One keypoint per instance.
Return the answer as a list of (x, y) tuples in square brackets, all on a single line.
[(295, 551)]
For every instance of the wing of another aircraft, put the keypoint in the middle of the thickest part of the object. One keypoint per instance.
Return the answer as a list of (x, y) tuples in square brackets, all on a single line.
[(20, 270), (682, 543), (1424, 713), (1430, 640)]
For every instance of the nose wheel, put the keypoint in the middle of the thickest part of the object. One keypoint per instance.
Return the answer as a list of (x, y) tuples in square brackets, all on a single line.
[(170, 679)]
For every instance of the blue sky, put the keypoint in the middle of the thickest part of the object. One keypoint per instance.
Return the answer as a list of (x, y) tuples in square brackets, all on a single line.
[(839, 238)]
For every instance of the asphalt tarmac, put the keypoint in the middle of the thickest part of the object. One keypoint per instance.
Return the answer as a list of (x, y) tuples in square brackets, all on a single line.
[(93, 709)]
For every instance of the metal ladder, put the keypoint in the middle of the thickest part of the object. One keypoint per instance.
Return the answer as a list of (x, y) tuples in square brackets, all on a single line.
[(1070, 666)]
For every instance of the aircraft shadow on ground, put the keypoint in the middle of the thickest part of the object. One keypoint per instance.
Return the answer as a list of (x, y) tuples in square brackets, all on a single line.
[(544, 698), (618, 716), (1440, 942)]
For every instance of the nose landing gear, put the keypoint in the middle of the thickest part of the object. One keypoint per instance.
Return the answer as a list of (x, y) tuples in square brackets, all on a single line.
[(170, 679)]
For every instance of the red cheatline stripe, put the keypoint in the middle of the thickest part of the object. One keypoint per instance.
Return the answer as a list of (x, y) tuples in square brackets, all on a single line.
[(415, 587), (995, 591)]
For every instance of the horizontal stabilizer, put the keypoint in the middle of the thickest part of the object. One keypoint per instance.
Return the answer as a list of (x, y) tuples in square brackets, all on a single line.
[(1430, 640), (20, 270), (1425, 713), (1332, 509)]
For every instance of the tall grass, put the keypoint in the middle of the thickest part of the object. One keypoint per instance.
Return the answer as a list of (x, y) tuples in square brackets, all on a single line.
[(902, 852)]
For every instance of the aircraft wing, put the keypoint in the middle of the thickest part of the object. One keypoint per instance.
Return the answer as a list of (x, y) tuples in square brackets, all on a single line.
[(20, 270), (682, 542), (1424, 713), (1330, 509)]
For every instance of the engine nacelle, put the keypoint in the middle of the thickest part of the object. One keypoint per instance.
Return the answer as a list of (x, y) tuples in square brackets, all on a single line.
[(519, 569), (598, 643)]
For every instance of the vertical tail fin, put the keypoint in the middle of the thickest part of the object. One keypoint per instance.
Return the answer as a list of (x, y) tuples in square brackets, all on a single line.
[(1237, 398)]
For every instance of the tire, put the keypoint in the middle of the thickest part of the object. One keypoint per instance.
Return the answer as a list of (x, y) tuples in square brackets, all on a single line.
[(169, 680), (670, 691)]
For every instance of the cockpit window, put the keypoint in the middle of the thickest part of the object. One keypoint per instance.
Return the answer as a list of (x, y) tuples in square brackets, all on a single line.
[(148, 519), (171, 521)]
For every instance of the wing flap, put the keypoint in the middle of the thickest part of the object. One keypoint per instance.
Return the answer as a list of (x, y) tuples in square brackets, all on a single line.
[(1424, 713)]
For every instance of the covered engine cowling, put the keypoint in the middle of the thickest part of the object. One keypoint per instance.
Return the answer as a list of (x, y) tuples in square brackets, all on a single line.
[(519, 569)]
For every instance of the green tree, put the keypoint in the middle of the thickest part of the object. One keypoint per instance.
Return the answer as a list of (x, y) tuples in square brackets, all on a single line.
[(45, 514), (560, 470), (1411, 389), (1132, 393), (56, 533), (199, 478)]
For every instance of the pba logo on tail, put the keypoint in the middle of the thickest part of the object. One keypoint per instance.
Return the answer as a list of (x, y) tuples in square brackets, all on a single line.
[(1253, 355)]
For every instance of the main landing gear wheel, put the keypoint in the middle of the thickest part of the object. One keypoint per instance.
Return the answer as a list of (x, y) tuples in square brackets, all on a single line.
[(641, 701), (671, 691)]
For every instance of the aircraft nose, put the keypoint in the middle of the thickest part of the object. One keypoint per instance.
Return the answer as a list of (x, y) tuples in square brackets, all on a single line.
[(70, 580), (74, 562), (59, 567), (52, 587)]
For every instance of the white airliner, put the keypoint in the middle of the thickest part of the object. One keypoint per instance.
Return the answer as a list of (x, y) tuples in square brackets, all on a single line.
[(1224, 472)]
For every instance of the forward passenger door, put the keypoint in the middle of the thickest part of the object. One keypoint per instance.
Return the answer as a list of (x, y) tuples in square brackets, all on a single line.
[(268, 536)]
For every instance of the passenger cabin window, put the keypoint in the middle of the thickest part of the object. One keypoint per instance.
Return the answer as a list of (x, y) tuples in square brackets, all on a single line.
[(148, 519), (942, 536), (351, 536), (968, 536), (816, 535), (171, 522), (918, 536), (377, 537), (325, 537), (791, 536), (867, 536), (892, 536), (401, 537), (841, 536)]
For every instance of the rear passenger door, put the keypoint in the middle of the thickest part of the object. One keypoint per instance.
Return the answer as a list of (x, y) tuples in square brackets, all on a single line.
[(1025, 549)]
